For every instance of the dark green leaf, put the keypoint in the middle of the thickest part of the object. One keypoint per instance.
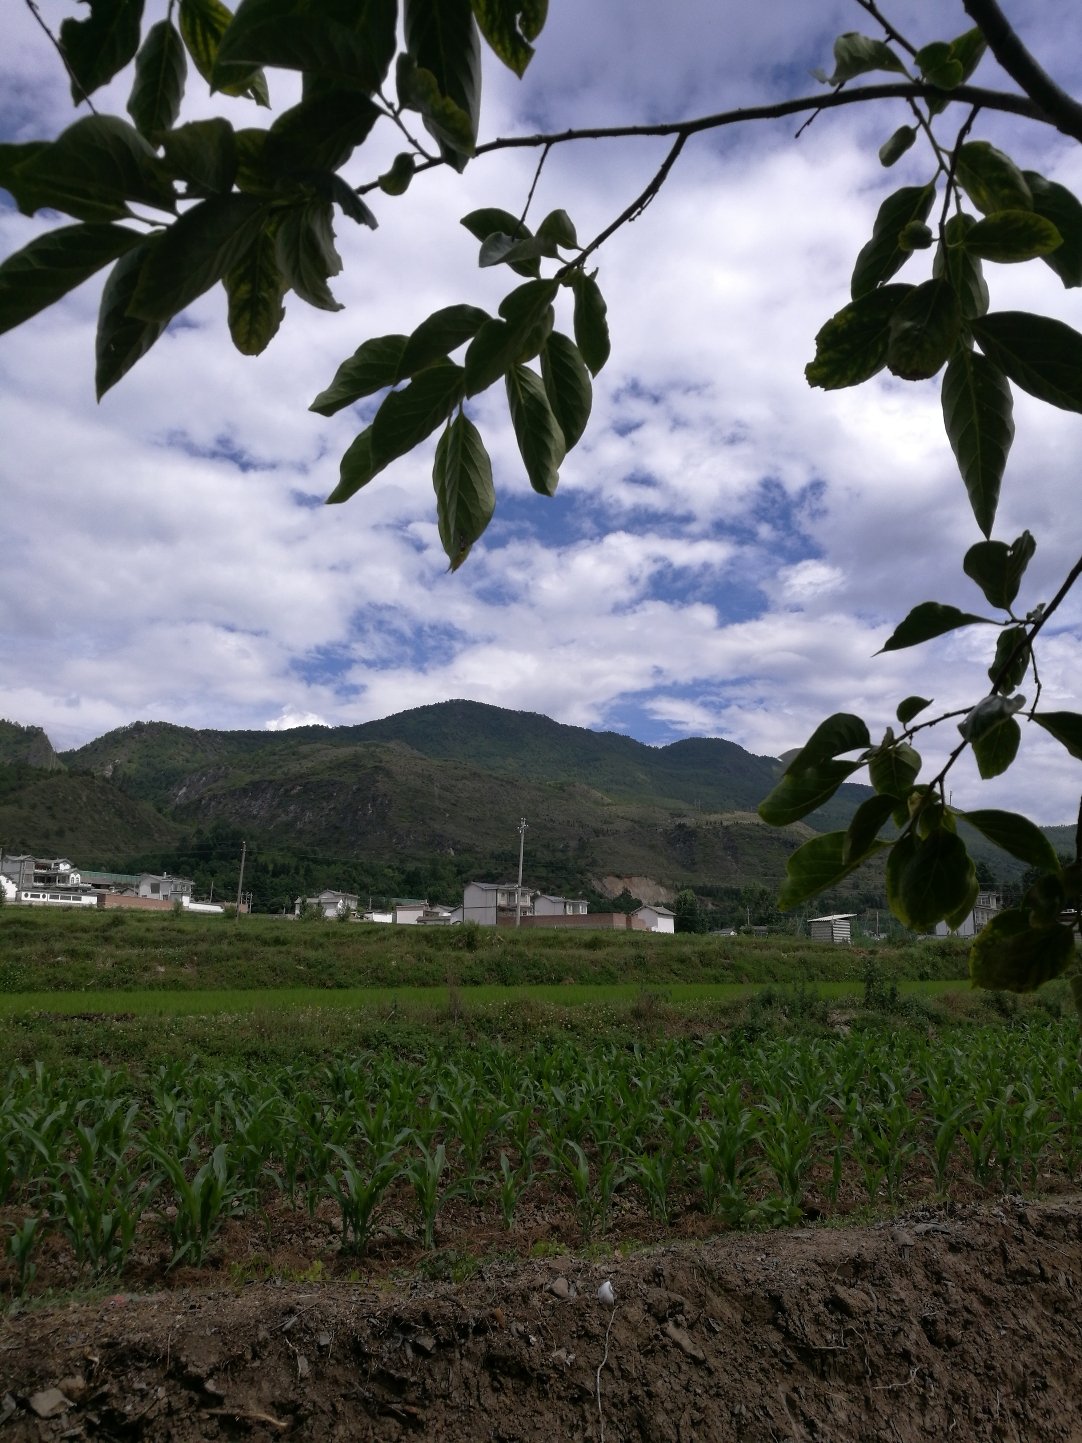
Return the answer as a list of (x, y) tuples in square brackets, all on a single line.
[(92, 170), (924, 330), (202, 25), (499, 249), (978, 412), (345, 197), (509, 26), (306, 255), (195, 252), (441, 333), (799, 793), (926, 621), (998, 568), (817, 865), (937, 880), (557, 227), (320, 133), (158, 87), (500, 343), (911, 707), (590, 324), (964, 271), (968, 49), (1065, 726), (994, 750), (882, 256), (1056, 204), (991, 179), (540, 440), (12, 160), (465, 496), (915, 236), (1046, 897), (894, 769), (123, 339), (348, 45), (96, 48), (893, 149), (1042, 356), (54, 264), (1012, 235), (255, 287), (407, 416), (1016, 835), (853, 344), (842, 732), (1011, 955), (492, 221), (856, 54), (396, 180), (204, 154), (373, 367), (1011, 644), (356, 468), (989, 713), (442, 43), (939, 65), (869, 819), (567, 385)]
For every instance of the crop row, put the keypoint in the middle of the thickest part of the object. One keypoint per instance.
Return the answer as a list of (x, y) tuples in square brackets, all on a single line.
[(741, 1131)]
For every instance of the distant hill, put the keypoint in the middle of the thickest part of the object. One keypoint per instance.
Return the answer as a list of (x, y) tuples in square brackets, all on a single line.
[(27, 746), (56, 813)]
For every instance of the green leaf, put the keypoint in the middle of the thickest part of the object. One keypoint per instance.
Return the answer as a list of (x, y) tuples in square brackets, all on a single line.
[(968, 49), (306, 254), (202, 25), (801, 792), (567, 385), (1010, 644), (499, 249), (928, 620), (1056, 204), (869, 819), (998, 568), (158, 87), (856, 54), (465, 496), (195, 252), (492, 221), (893, 149), (1042, 356), (978, 412), (989, 713), (852, 346), (356, 468), (995, 749), (321, 133), (991, 179), (911, 707), (590, 324), (509, 26), (882, 256), (558, 228), (817, 865), (204, 154), (96, 48), (255, 287), (1012, 235), (540, 440), (1046, 897), (396, 181), (12, 160), (1016, 835), (1065, 726), (937, 879), (373, 367), (91, 171), (407, 416), (939, 65), (349, 46), (442, 43), (444, 331), (500, 343), (964, 271), (924, 330), (1011, 955), (842, 732), (893, 769), (55, 263), (123, 339)]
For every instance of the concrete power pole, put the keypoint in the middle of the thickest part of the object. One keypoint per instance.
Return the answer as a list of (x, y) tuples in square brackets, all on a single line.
[(518, 889), (240, 879)]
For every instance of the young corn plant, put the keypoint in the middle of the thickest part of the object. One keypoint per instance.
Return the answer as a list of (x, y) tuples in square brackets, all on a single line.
[(359, 1190), (425, 1174), (21, 1245), (203, 1202)]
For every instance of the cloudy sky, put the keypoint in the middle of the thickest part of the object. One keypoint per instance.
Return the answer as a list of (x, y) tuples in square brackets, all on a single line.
[(727, 549)]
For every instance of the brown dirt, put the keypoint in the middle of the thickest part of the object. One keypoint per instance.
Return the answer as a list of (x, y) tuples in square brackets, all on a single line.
[(960, 1323)]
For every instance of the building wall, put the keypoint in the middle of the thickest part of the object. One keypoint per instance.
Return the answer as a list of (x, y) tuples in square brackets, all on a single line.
[(591, 921)]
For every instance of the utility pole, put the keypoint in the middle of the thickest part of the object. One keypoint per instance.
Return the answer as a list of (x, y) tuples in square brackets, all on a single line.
[(240, 879), (518, 889)]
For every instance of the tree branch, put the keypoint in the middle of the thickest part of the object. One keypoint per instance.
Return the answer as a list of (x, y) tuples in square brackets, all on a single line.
[(1063, 110)]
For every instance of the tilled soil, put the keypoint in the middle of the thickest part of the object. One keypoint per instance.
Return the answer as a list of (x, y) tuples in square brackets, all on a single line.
[(950, 1324)]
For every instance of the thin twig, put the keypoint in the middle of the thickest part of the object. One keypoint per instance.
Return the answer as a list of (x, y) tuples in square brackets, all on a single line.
[(76, 83), (636, 208), (888, 29), (533, 185)]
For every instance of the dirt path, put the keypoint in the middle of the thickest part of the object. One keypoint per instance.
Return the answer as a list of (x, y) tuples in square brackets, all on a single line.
[(955, 1324)]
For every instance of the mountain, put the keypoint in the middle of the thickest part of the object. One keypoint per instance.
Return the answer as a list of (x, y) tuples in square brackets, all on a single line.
[(27, 746), (61, 814)]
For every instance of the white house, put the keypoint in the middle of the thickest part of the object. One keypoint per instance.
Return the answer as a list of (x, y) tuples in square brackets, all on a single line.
[(546, 906), (984, 908), (332, 904), (164, 888), (833, 928), (655, 918), (487, 902)]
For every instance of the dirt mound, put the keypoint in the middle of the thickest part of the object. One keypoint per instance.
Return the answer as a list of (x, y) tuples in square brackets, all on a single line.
[(956, 1323)]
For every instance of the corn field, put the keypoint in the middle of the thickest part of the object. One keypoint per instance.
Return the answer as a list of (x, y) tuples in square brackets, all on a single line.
[(597, 1141)]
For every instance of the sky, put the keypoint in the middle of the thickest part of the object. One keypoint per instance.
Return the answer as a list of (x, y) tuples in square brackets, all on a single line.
[(727, 550)]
